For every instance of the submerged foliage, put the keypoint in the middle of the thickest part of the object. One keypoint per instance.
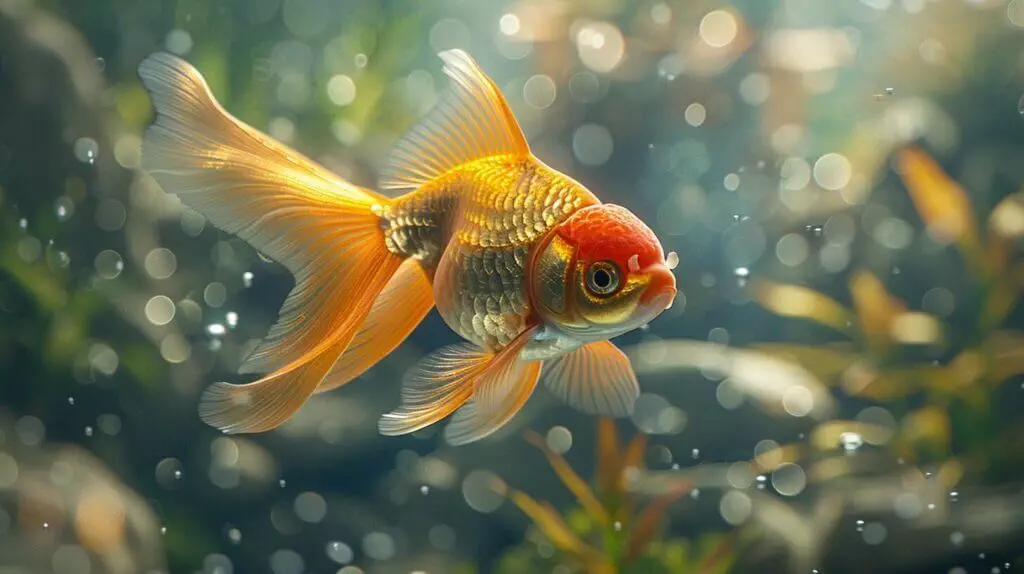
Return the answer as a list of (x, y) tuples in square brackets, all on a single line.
[(610, 531), (941, 379)]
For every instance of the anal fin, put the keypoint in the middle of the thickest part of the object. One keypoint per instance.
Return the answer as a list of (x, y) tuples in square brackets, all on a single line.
[(402, 305), (490, 387)]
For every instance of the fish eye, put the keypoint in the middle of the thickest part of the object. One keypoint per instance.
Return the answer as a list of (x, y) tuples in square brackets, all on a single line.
[(603, 278)]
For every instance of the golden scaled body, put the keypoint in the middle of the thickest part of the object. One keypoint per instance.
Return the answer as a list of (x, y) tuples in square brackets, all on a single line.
[(487, 214), (520, 260)]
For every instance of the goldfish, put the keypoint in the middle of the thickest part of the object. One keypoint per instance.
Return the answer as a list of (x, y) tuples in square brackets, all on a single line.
[(522, 262)]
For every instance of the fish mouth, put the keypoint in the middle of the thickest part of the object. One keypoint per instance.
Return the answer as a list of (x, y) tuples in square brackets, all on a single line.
[(661, 290)]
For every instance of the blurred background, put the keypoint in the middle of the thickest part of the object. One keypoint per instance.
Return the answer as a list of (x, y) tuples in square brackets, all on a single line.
[(837, 388)]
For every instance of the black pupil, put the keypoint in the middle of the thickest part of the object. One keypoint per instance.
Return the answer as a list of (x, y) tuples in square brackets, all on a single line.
[(602, 279)]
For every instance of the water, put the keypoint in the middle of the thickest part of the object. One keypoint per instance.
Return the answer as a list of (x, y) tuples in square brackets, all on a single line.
[(834, 384)]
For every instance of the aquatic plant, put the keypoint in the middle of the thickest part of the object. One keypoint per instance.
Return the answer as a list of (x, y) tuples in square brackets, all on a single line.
[(940, 379), (610, 531)]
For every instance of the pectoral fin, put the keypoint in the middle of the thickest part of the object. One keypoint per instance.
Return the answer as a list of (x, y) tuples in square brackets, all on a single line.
[(595, 378)]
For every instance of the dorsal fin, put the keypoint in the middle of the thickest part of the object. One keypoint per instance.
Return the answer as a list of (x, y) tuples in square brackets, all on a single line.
[(471, 121)]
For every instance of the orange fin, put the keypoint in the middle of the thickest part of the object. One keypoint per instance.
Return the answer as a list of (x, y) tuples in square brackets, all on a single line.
[(595, 378), (437, 385), (498, 395), (404, 303), (322, 228), (449, 377), (472, 121), (472, 422)]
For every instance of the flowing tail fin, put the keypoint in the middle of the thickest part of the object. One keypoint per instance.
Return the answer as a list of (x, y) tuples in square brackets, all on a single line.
[(326, 231)]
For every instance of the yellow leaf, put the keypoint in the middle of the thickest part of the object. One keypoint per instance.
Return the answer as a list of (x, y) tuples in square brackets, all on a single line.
[(1001, 298), (649, 519), (633, 458), (609, 456), (875, 308), (943, 205), (554, 527), (823, 362), (803, 303), (571, 480), (840, 433), (897, 383), (930, 425), (1005, 224), (1007, 349), (950, 473), (768, 461), (916, 328), (964, 370)]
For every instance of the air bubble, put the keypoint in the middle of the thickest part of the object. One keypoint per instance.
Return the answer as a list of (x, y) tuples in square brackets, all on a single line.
[(168, 471), (340, 552), (64, 208), (509, 24), (108, 264), (592, 144), (310, 507), (86, 150), (379, 545), (179, 42), (851, 441), (874, 533), (559, 439)]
